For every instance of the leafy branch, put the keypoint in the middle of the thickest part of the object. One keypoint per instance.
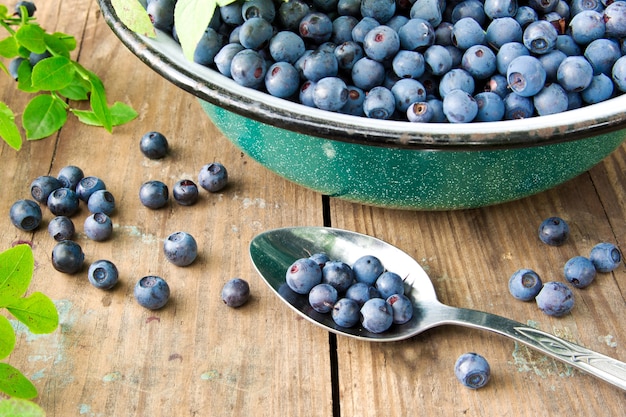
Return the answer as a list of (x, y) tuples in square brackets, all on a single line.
[(41, 64), (36, 311)]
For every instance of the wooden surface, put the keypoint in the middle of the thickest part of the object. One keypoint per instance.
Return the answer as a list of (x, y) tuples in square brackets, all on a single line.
[(196, 357)]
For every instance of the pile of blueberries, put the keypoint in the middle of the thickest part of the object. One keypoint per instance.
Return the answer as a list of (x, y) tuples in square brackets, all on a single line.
[(363, 293), (556, 298), (62, 196), (419, 60)]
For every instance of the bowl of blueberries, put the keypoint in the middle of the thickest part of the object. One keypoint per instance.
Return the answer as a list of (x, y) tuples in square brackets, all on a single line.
[(407, 104)]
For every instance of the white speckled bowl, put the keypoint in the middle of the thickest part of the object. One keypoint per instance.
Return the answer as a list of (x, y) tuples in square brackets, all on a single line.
[(433, 166)]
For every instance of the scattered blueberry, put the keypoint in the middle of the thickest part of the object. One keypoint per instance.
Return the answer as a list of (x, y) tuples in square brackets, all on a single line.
[(154, 194), (525, 284), (152, 292), (101, 201), (579, 271), (235, 292), (61, 228), (103, 274), (25, 215), (185, 192), (63, 202), (87, 186), (553, 231), (180, 248), (472, 370), (555, 299), (98, 227), (213, 177), (605, 257), (70, 176), (43, 186), (67, 257), (154, 145)]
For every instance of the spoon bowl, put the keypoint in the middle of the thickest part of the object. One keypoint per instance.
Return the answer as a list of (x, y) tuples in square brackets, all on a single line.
[(272, 253)]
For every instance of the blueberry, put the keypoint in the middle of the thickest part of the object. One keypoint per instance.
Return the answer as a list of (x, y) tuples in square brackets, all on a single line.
[(210, 43), (319, 64), (180, 248), (402, 308), (618, 73), (525, 284), (467, 32), (459, 106), (577, 6), (63, 202), (416, 35), (367, 269), (553, 231), (551, 62), (305, 95), (286, 46), (472, 370), (376, 315), (154, 145), (540, 37), (342, 29), (103, 274), (70, 176), (101, 201), (406, 92), (456, 79), (602, 54), (41, 187), (550, 100), (567, 45), (600, 89), (248, 68), (381, 10), (323, 297), (14, 67), (408, 64), (316, 27), (259, 8), (225, 56), (420, 112), (507, 53), (61, 228), (574, 73), (152, 292), (586, 26), (290, 13), (231, 13), (503, 30), (161, 13), (517, 107), (379, 103), (579, 271), (338, 274), (29, 6), (389, 283), (347, 53), (154, 194), (87, 186), (282, 80), (490, 107), (526, 75), (438, 60), (213, 177), (367, 73), (525, 15), (346, 312), (185, 192), (321, 258), (361, 292), (67, 257), (381, 43), (98, 227), (555, 299), (605, 257), (236, 292), (469, 8), (255, 33), (303, 274), (25, 215), (354, 104), (479, 61), (330, 93), (615, 20)]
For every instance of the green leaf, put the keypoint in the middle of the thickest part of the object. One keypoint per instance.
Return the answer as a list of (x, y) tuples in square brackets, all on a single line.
[(43, 116), (78, 90), (16, 271), (19, 407), (192, 18), (98, 101), (24, 74), (8, 47), (31, 36), (37, 312), (60, 43), (8, 128), (134, 16), (53, 73), (7, 337), (120, 113), (15, 384)]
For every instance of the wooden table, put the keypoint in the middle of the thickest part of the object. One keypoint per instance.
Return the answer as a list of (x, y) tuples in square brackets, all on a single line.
[(197, 357)]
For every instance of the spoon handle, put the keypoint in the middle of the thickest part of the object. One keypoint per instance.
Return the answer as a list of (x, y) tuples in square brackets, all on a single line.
[(596, 364)]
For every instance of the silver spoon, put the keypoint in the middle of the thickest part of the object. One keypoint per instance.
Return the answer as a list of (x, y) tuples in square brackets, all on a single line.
[(273, 251)]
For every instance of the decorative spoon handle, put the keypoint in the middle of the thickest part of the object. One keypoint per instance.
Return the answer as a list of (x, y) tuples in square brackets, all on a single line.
[(594, 363)]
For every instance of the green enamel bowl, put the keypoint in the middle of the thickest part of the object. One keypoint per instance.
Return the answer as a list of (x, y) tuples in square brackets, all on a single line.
[(416, 166)]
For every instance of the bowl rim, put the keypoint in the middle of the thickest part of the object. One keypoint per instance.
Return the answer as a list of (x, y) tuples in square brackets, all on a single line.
[(164, 56)]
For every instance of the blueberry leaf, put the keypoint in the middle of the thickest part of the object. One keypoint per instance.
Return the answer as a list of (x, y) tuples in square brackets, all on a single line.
[(7, 337), (191, 18), (53, 73), (15, 384), (77, 90), (8, 129), (98, 101), (16, 271), (24, 74), (134, 16), (43, 116), (120, 113), (37, 312), (31, 37), (8, 47), (60, 43), (20, 407)]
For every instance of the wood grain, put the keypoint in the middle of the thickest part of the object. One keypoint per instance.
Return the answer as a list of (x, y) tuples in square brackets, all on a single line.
[(196, 357)]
